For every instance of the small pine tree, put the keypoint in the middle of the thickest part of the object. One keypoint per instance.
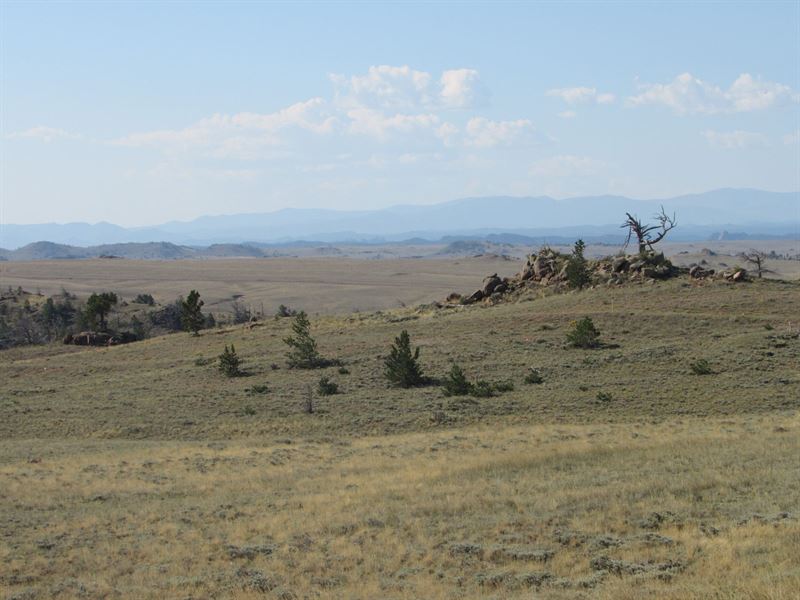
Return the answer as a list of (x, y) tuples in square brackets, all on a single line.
[(577, 268), (98, 306), (583, 334), (402, 365), (456, 383), (326, 387), (229, 363), (303, 353), (192, 318)]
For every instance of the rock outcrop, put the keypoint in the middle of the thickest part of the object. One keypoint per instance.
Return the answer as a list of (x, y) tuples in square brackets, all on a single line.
[(99, 338)]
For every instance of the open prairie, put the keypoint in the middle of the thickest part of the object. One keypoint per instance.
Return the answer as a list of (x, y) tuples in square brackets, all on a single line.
[(139, 471), (338, 285), (354, 278)]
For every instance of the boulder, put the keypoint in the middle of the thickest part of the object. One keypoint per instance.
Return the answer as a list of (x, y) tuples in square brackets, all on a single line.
[(501, 289), (636, 265), (541, 267), (490, 283), (619, 264), (476, 296), (739, 275)]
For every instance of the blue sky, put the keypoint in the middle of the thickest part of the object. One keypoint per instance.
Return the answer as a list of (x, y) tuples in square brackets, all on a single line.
[(140, 113)]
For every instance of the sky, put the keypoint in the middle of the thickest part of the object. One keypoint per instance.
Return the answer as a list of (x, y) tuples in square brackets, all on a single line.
[(141, 113)]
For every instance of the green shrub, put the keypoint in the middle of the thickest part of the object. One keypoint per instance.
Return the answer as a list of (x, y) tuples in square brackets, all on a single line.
[(577, 267), (249, 411), (192, 318), (482, 389), (284, 311), (259, 388), (229, 364), (402, 365), (326, 387), (344, 371), (583, 334), (456, 383), (503, 386), (604, 397), (534, 377), (145, 299), (303, 353), (700, 367)]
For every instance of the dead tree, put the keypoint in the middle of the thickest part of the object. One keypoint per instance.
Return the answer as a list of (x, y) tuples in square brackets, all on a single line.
[(646, 235), (757, 259)]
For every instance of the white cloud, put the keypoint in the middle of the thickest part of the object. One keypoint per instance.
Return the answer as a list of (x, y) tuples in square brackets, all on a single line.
[(242, 135), (567, 165), (581, 95), (606, 98), (403, 89), (462, 88), (734, 139), (484, 133), (687, 94), (374, 123), (44, 134), (567, 114), (447, 132)]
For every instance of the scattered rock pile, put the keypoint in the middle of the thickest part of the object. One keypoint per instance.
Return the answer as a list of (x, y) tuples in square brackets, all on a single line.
[(96, 338), (736, 275), (548, 268)]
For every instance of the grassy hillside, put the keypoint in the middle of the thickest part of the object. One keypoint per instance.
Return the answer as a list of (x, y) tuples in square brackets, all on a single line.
[(139, 471)]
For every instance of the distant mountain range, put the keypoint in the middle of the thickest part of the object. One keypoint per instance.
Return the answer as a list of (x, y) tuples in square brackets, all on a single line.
[(752, 212)]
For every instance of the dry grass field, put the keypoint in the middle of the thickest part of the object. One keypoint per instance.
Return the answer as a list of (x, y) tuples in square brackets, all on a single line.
[(330, 285), (138, 471)]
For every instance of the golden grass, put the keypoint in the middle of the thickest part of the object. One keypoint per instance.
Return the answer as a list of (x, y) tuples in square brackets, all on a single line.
[(138, 472), (474, 513), (330, 285)]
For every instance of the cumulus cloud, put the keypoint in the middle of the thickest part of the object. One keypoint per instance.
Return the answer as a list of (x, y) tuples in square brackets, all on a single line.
[(686, 94), (567, 165), (734, 139), (462, 88), (484, 133), (242, 135), (402, 88), (43, 134), (374, 123), (567, 114), (581, 95)]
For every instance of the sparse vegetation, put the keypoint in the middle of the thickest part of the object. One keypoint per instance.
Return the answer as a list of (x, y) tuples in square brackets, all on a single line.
[(402, 365), (534, 377), (549, 494), (192, 319), (229, 363), (326, 387), (303, 353), (146, 299), (284, 312), (577, 267), (583, 334), (456, 383), (98, 306), (700, 367)]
